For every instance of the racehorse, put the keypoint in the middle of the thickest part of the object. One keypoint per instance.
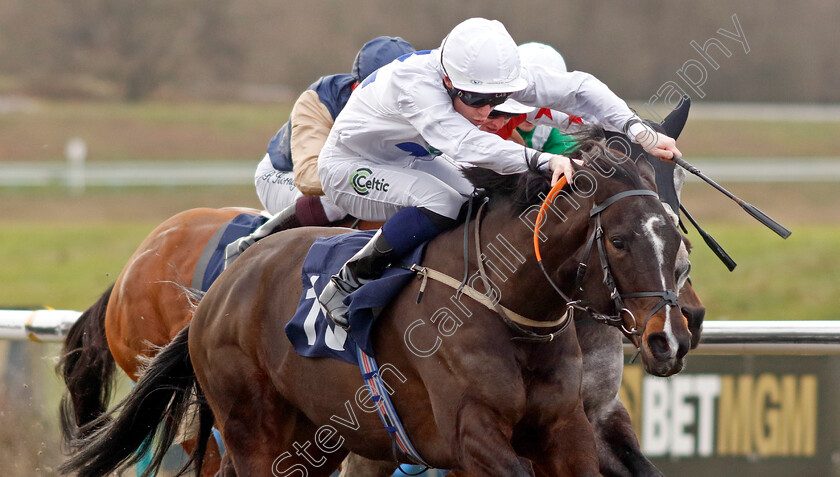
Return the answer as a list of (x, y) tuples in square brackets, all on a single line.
[(257, 388)]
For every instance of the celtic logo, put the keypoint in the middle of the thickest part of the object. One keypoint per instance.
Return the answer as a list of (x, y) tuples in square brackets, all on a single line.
[(362, 181)]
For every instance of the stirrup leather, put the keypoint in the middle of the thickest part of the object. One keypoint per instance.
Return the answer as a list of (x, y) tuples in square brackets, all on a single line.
[(285, 219)]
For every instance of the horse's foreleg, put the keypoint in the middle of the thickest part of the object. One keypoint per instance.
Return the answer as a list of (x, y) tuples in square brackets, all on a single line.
[(569, 448), (483, 444), (618, 448)]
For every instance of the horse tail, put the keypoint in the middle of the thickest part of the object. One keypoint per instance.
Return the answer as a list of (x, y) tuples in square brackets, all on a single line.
[(149, 416), (87, 368)]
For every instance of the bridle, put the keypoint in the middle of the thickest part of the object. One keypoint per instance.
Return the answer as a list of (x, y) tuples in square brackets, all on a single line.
[(632, 332)]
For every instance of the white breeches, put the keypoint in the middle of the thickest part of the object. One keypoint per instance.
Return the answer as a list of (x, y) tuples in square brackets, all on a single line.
[(276, 190), (372, 191)]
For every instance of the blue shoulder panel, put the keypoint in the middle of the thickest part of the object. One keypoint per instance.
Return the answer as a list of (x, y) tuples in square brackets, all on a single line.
[(334, 92)]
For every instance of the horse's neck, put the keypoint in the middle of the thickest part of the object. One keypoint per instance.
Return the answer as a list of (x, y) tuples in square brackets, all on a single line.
[(509, 260)]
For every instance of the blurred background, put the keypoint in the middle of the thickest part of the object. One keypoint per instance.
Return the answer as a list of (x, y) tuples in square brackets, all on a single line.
[(171, 106)]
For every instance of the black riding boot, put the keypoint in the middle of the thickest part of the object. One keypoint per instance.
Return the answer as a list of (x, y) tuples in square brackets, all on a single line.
[(368, 264), (285, 219)]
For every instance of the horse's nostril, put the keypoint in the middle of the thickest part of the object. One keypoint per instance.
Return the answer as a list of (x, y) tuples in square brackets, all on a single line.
[(658, 346)]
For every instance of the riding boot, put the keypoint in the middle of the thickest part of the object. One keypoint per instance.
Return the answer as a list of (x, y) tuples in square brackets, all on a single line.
[(368, 264), (285, 219)]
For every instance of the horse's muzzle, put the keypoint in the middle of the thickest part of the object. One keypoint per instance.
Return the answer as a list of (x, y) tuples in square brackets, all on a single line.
[(663, 355)]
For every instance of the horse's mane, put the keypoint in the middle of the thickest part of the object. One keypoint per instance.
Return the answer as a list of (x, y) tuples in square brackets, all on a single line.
[(530, 187)]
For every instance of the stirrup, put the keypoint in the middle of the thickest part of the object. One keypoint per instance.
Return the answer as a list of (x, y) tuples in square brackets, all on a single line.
[(366, 265), (235, 249), (331, 299)]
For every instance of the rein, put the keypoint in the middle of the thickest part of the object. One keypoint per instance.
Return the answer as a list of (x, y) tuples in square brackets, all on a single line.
[(667, 297), (511, 318)]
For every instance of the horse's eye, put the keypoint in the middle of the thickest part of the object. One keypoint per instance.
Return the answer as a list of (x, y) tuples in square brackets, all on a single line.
[(617, 243)]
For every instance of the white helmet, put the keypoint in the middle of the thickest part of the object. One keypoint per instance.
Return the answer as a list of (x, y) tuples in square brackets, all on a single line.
[(540, 53), (513, 106), (479, 56)]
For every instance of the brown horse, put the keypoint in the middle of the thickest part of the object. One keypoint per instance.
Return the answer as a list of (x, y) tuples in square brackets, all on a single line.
[(147, 307), (523, 400)]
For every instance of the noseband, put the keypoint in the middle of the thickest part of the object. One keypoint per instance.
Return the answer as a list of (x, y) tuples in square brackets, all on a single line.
[(667, 297)]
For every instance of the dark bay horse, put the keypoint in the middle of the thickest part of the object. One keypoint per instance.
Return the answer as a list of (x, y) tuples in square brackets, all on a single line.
[(147, 307), (521, 409)]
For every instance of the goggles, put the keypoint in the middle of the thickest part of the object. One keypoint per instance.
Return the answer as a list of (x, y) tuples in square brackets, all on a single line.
[(479, 100), (497, 114)]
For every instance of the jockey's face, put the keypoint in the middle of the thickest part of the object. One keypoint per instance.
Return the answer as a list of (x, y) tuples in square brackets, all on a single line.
[(493, 123), (477, 116), (474, 114), (496, 120)]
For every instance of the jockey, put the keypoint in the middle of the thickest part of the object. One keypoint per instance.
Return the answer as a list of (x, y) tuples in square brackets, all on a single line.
[(287, 177), (540, 129), (388, 155), (502, 114), (545, 137), (541, 137)]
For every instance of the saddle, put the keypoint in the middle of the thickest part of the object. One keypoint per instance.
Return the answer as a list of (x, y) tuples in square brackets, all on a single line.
[(313, 334), (211, 263)]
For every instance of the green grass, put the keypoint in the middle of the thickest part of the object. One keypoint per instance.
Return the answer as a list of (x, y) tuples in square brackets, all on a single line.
[(68, 266), (198, 131), (63, 266), (793, 279), (705, 138)]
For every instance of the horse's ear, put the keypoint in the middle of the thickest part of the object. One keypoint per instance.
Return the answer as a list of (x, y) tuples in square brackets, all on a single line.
[(647, 173), (674, 123)]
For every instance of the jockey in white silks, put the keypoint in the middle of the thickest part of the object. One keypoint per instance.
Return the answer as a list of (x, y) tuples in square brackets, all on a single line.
[(396, 150)]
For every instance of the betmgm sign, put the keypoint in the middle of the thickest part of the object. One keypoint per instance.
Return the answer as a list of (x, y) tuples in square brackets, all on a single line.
[(740, 415)]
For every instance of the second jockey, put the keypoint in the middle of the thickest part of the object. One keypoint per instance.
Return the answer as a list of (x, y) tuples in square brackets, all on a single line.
[(287, 177)]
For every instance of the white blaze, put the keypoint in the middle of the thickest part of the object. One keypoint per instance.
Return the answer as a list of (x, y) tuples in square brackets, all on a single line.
[(659, 249)]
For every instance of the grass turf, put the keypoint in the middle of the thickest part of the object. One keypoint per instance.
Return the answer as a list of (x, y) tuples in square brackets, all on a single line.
[(69, 265)]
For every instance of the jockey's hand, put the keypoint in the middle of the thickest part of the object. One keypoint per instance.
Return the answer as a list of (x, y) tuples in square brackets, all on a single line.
[(560, 165), (658, 144)]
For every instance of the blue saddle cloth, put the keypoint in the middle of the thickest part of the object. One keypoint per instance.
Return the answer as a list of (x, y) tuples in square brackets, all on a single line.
[(313, 334), (212, 261)]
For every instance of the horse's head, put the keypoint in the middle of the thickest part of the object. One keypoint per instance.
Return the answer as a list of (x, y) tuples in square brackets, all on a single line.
[(612, 221), (636, 260), (619, 254)]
